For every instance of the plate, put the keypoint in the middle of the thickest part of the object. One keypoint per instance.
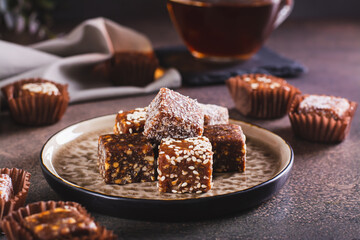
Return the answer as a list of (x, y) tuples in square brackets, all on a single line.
[(69, 163)]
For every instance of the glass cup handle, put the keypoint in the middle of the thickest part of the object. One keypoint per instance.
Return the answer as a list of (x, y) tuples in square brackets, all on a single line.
[(286, 8)]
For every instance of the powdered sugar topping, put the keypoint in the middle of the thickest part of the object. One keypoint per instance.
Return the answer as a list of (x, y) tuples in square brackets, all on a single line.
[(323, 103)]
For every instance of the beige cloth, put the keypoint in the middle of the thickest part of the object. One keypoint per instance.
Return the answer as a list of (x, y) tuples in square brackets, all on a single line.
[(70, 60)]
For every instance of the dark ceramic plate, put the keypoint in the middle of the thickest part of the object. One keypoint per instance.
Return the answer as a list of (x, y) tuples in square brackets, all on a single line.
[(68, 161)]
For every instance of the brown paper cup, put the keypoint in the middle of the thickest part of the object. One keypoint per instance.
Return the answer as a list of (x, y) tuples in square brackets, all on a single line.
[(21, 183), (13, 227), (318, 128), (263, 102), (130, 68), (38, 109)]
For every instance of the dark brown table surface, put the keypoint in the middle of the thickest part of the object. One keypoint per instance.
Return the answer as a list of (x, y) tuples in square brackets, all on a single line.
[(321, 200)]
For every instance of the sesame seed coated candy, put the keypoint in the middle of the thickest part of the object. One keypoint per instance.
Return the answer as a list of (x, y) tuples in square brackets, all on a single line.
[(132, 121), (182, 170)]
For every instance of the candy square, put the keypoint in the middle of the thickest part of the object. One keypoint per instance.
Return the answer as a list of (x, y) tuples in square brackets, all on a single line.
[(214, 114), (261, 95), (36, 101), (322, 118), (132, 121), (126, 158), (173, 115), (228, 143), (328, 106), (60, 223), (185, 165)]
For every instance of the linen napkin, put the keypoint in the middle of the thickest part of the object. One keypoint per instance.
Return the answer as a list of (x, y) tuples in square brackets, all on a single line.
[(72, 58), (197, 73)]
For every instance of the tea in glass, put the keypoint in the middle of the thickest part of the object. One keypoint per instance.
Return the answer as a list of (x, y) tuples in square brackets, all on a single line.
[(224, 30)]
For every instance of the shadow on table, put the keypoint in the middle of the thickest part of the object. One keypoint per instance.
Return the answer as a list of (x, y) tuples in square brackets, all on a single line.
[(9, 127), (198, 218), (301, 146), (182, 229)]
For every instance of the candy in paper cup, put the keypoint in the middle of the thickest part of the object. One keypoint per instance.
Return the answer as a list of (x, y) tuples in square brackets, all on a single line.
[(14, 228), (36, 101)]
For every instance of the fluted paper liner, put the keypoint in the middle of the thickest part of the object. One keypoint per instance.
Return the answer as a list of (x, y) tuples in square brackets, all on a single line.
[(130, 68), (314, 127), (21, 183), (37, 109), (265, 103), (13, 228)]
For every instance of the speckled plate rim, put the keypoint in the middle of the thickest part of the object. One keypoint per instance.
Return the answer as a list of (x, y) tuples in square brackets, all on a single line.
[(55, 181)]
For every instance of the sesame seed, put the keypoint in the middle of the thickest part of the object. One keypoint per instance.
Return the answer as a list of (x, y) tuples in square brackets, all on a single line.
[(195, 172), (191, 167), (184, 184), (173, 162), (203, 186), (198, 191), (174, 191)]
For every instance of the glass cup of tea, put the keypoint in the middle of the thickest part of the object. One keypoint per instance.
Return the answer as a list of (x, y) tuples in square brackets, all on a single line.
[(226, 30)]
